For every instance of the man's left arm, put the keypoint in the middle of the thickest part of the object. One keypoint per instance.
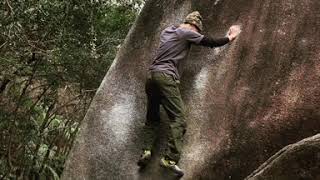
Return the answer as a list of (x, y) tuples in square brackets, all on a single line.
[(213, 42), (233, 32)]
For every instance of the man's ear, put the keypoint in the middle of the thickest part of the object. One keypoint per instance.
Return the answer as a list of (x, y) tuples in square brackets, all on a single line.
[(195, 28)]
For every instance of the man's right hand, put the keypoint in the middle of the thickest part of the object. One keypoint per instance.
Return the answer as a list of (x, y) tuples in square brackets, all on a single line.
[(233, 32)]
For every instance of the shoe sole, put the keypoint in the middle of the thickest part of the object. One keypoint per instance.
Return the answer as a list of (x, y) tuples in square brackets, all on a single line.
[(143, 162), (178, 173)]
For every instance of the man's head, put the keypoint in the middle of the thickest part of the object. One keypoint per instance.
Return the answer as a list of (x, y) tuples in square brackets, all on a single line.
[(194, 19)]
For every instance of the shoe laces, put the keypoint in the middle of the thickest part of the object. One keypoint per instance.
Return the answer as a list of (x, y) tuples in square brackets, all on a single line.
[(146, 153), (171, 162)]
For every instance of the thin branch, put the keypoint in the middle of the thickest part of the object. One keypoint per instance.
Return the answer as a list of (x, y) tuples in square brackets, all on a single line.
[(90, 90), (9, 6), (3, 44)]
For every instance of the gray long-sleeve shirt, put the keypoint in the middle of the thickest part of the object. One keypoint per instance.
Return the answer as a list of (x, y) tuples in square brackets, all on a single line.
[(175, 43)]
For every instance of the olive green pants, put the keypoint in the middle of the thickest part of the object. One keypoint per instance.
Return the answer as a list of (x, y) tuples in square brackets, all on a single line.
[(163, 90)]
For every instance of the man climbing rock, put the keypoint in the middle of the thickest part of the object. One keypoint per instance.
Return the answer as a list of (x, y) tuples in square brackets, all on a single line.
[(162, 87)]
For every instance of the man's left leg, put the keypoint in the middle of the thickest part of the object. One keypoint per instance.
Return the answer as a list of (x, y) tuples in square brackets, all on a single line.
[(152, 121)]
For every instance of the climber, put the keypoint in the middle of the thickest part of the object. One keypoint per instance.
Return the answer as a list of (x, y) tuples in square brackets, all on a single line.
[(162, 86)]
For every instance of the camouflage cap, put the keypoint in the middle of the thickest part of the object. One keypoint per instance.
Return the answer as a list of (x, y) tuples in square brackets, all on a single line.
[(194, 18)]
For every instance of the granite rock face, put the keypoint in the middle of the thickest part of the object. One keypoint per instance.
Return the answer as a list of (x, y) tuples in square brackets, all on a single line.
[(245, 101), (294, 162)]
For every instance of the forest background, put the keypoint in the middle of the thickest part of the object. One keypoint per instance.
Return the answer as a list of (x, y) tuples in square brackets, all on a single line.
[(54, 55)]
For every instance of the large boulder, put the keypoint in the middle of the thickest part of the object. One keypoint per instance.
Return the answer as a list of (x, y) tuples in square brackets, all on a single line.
[(293, 162), (245, 101)]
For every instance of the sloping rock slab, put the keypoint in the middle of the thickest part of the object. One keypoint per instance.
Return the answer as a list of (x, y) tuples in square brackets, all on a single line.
[(299, 161)]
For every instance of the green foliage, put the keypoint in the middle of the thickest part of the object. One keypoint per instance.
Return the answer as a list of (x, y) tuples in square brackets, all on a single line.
[(54, 54)]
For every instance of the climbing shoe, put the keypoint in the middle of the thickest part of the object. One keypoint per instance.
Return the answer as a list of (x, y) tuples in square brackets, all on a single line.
[(144, 158), (171, 165)]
